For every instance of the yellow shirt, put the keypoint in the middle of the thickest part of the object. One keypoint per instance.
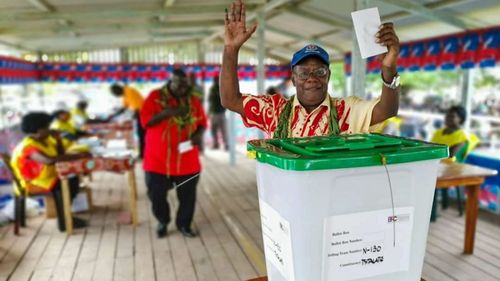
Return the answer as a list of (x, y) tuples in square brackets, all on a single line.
[(76, 112), (79, 118), (457, 137), (389, 126), (30, 172), (132, 99), (63, 126)]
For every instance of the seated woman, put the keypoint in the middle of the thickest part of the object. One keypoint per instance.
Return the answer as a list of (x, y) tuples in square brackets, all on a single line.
[(457, 139), (452, 134), (63, 123), (33, 162)]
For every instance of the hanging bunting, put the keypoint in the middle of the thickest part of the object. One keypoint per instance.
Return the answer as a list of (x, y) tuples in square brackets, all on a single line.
[(476, 48)]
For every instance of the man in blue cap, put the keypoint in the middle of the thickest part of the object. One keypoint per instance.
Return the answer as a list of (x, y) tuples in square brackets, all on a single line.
[(312, 112)]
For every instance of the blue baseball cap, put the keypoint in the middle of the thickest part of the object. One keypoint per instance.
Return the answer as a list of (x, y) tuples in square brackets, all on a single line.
[(309, 51)]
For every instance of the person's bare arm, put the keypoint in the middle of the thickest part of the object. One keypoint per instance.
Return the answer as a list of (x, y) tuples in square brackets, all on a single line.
[(389, 100), (48, 160), (235, 35)]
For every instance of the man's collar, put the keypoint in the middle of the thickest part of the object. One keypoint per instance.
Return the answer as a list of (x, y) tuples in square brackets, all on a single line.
[(326, 102)]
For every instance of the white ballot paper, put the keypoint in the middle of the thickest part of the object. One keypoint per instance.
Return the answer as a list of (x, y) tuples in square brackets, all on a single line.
[(366, 24), (361, 245), (277, 240), (185, 146)]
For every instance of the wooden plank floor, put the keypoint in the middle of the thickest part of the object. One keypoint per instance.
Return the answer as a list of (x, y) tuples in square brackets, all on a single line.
[(229, 247)]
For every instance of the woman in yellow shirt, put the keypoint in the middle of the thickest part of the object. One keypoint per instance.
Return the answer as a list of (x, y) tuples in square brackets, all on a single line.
[(455, 138), (63, 123), (452, 134), (33, 162)]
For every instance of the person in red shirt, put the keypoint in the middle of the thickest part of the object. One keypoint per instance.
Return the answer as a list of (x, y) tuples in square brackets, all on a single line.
[(174, 123)]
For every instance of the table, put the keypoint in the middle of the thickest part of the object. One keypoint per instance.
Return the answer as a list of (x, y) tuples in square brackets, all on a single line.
[(110, 131), (86, 165), (265, 279), (471, 177)]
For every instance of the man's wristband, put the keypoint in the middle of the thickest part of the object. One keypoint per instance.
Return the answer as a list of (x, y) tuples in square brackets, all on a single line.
[(393, 84)]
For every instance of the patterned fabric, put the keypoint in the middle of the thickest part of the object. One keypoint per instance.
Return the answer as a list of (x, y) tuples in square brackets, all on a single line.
[(87, 165), (354, 115), (128, 125)]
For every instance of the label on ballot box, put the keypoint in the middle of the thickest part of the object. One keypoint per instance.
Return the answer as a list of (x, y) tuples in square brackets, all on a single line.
[(277, 240), (367, 244)]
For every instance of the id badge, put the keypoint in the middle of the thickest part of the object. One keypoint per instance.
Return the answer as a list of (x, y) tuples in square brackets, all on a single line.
[(185, 146)]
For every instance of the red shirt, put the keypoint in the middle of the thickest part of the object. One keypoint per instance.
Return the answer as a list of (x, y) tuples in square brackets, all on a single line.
[(161, 153)]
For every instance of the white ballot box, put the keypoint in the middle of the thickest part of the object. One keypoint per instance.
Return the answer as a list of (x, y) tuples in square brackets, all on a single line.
[(344, 208)]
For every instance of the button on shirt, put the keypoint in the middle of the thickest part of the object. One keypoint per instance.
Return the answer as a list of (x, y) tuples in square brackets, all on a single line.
[(353, 114)]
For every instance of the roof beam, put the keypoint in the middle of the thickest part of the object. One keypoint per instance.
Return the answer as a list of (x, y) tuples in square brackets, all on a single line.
[(303, 38), (281, 53), (42, 5), (28, 30), (318, 17), (199, 33), (98, 46), (16, 18), (168, 3), (271, 5), (423, 11)]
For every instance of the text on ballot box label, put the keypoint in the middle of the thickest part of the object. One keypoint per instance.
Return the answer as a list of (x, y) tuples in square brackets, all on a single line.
[(367, 244), (277, 240)]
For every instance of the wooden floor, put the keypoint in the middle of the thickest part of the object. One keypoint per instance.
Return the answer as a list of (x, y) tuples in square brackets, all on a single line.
[(228, 249)]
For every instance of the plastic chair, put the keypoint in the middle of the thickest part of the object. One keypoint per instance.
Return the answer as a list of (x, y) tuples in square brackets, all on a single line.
[(20, 195), (460, 157)]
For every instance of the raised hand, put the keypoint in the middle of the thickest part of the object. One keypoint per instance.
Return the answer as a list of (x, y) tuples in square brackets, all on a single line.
[(235, 30), (387, 37)]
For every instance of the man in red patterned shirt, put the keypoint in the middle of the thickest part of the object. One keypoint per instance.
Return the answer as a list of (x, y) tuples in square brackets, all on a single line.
[(174, 122), (309, 113)]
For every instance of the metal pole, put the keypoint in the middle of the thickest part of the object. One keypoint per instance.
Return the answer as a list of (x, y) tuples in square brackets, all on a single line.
[(232, 138), (466, 89), (261, 55), (358, 73), (2, 111)]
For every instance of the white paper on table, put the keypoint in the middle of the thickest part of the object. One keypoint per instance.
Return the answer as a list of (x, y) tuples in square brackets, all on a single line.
[(185, 146), (116, 144), (277, 240), (366, 25), (361, 245)]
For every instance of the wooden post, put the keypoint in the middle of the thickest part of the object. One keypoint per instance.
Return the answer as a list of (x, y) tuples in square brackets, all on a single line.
[(67, 206), (132, 192), (471, 213)]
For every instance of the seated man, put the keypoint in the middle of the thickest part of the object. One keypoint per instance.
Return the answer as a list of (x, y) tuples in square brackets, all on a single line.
[(33, 162)]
